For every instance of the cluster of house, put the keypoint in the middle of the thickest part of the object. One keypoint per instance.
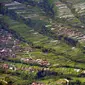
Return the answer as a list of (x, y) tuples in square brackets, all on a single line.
[(8, 66), (13, 67), (35, 61), (72, 33), (8, 45), (30, 69)]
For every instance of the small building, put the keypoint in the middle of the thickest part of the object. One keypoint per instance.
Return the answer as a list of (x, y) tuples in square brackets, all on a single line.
[(37, 83), (63, 82)]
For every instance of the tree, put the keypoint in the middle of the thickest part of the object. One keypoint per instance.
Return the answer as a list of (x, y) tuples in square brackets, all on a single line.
[(78, 82), (47, 6), (8, 80)]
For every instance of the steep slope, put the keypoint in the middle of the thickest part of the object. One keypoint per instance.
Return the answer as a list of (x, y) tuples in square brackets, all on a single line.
[(41, 42)]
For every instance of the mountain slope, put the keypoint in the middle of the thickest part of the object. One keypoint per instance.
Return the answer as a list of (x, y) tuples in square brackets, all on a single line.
[(42, 42)]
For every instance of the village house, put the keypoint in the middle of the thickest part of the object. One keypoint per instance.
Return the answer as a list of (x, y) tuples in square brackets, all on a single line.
[(12, 67), (8, 66), (63, 82), (5, 66), (37, 83), (35, 61)]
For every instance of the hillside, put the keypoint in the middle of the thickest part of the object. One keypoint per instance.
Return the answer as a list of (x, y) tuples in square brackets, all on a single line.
[(42, 42)]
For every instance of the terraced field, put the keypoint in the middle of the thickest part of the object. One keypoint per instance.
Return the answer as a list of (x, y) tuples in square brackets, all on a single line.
[(41, 44)]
